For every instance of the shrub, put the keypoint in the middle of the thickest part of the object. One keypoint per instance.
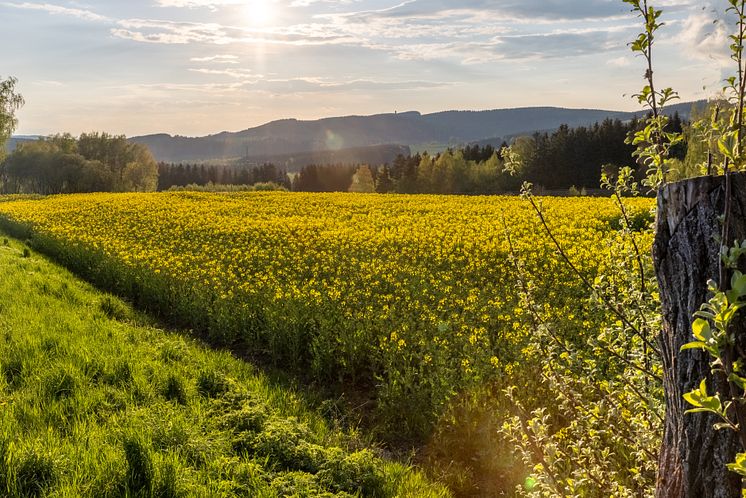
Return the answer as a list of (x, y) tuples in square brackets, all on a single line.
[(296, 484), (358, 472), (285, 442)]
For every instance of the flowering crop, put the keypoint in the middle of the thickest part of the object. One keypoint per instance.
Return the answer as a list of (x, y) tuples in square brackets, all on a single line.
[(409, 297)]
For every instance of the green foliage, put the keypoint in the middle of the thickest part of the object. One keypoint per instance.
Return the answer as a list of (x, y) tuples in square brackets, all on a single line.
[(10, 102), (92, 163), (174, 390), (739, 466), (211, 384), (712, 331), (574, 156), (602, 434), (139, 478), (716, 135), (518, 155), (466, 171), (35, 474), (702, 402), (218, 187), (702, 158), (653, 142), (114, 308), (356, 473)]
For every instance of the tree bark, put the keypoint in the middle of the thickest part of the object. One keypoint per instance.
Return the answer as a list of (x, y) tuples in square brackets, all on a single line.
[(693, 455)]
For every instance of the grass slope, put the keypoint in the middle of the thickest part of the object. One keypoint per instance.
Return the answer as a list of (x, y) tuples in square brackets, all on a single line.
[(94, 401)]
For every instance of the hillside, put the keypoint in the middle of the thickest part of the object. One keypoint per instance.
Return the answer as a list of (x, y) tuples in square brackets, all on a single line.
[(293, 163), (291, 137), (97, 402)]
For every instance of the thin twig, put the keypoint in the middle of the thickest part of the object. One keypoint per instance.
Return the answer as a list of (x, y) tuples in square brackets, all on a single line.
[(538, 320), (585, 280)]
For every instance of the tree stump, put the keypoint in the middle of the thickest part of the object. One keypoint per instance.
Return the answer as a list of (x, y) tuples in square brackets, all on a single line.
[(693, 457)]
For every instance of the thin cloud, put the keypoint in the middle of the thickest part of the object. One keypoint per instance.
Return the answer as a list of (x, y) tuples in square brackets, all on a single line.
[(242, 74), (85, 15), (217, 59), (309, 3), (619, 62), (291, 87), (210, 4), (705, 39), (171, 32)]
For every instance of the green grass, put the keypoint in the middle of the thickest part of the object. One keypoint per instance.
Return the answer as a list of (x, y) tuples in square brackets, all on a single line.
[(97, 401)]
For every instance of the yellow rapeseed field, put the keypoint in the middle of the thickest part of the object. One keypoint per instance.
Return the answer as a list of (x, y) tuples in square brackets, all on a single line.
[(409, 297)]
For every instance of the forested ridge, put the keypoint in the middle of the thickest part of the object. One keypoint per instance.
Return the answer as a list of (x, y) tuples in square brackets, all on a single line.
[(292, 138), (568, 158)]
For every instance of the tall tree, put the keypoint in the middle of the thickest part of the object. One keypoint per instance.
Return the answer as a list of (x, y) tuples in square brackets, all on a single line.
[(362, 181), (10, 102)]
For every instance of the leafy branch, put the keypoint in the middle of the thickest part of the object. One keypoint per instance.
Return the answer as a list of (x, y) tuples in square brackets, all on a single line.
[(653, 141)]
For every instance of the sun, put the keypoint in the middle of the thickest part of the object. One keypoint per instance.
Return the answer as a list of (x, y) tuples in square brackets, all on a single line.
[(259, 12)]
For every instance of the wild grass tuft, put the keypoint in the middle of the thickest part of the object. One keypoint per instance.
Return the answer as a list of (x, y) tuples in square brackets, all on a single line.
[(211, 384), (35, 475), (174, 390), (139, 477)]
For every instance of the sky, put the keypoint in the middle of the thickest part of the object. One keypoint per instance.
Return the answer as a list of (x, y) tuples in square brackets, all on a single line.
[(197, 67)]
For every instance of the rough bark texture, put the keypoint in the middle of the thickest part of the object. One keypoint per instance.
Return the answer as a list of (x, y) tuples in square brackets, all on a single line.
[(693, 457)]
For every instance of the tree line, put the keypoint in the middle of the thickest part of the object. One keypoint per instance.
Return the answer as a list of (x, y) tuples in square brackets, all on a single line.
[(93, 162), (567, 158), (181, 175)]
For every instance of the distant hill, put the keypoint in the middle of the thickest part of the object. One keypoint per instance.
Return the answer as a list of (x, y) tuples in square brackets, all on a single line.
[(292, 163), (370, 139), (13, 142)]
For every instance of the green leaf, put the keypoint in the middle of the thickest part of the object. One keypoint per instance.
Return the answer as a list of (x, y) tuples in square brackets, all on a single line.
[(702, 330), (738, 283), (693, 397), (693, 345), (739, 466), (701, 402), (700, 410), (723, 149)]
